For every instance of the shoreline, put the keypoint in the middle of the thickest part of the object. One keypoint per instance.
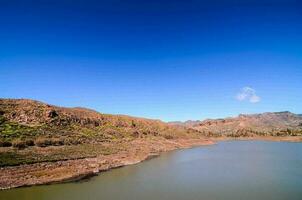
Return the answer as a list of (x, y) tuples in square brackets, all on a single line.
[(74, 170), (261, 138), (47, 173)]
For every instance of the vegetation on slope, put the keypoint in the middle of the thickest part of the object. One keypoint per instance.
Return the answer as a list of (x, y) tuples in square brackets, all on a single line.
[(25, 123), (31, 155)]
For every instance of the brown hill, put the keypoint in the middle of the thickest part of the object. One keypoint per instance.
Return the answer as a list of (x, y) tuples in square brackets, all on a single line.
[(29, 119), (271, 123)]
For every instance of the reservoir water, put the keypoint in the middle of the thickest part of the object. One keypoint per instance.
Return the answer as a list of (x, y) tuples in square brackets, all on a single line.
[(232, 170)]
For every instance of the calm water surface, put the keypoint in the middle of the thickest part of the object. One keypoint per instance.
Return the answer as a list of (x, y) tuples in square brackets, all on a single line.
[(229, 170)]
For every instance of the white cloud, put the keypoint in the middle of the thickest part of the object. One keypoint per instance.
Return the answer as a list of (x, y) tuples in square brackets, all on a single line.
[(248, 94)]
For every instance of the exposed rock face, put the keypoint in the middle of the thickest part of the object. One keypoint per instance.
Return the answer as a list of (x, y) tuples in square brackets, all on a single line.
[(278, 123)]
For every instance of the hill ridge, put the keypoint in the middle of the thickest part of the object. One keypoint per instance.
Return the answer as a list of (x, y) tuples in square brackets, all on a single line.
[(24, 118)]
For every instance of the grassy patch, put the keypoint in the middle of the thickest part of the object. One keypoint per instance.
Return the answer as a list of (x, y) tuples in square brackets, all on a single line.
[(13, 157), (11, 130)]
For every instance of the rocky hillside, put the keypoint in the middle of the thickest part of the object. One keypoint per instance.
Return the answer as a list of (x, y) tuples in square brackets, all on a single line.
[(26, 122), (44, 124), (266, 124)]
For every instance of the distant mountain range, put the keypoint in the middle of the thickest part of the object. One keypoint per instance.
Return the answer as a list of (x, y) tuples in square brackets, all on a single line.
[(270, 123)]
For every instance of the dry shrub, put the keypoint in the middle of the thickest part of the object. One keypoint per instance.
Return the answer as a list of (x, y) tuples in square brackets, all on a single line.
[(74, 141), (19, 144), (43, 142), (135, 134), (57, 142), (5, 143), (168, 137), (29, 142)]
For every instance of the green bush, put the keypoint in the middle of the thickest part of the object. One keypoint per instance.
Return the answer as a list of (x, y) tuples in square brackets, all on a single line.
[(2, 119)]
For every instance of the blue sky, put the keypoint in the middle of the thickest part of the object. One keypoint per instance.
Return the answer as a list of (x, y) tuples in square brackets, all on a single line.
[(169, 60)]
